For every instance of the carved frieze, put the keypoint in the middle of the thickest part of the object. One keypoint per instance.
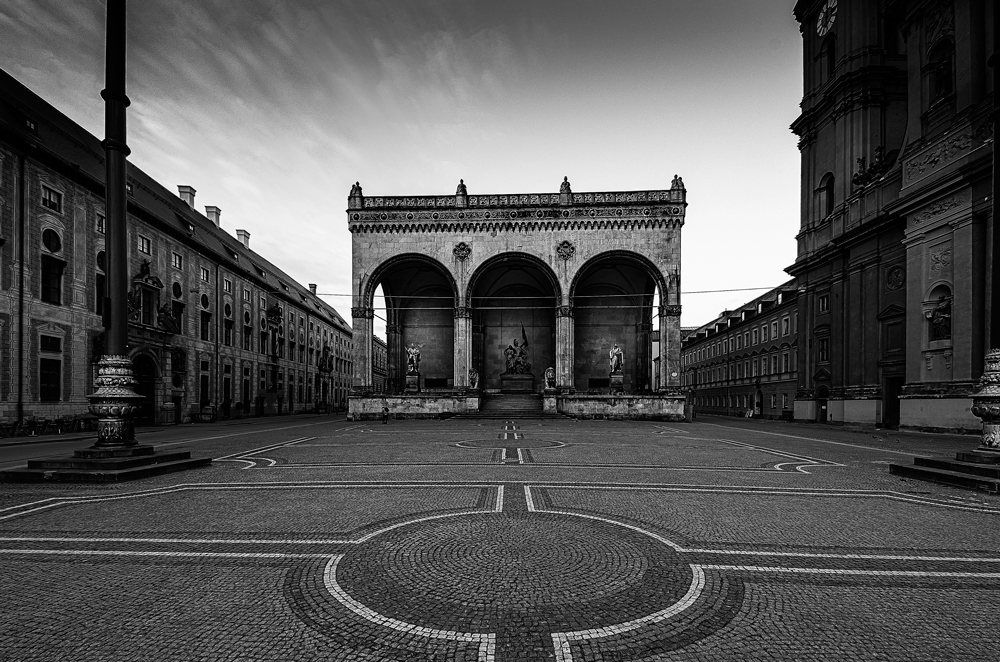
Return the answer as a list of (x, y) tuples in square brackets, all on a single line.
[(938, 208), (363, 312), (670, 310), (945, 151)]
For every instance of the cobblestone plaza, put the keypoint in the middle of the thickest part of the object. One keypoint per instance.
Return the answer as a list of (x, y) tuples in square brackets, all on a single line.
[(551, 539)]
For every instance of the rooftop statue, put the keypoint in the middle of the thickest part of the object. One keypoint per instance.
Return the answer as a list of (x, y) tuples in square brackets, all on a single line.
[(461, 188), (564, 187)]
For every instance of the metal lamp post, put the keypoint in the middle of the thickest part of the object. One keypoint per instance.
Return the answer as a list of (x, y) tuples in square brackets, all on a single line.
[(115, 402)]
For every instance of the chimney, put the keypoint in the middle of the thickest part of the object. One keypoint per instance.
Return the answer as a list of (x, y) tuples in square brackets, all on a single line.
[(187, 194), (244, 237), (213, 214), (312, 288)]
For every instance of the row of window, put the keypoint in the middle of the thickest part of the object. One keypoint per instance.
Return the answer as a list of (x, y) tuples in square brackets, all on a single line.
[(740, 340), (762, 367), (737, 401)]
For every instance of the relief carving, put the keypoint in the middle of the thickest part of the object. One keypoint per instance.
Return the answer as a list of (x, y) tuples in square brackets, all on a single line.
[(940, 260), (939, 208), (895, 278)]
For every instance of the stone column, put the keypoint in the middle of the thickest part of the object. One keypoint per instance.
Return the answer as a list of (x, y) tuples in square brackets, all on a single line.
[(986, 403), (362, 318), (463, 346), (393, 360), (565, 339), (670, 348)]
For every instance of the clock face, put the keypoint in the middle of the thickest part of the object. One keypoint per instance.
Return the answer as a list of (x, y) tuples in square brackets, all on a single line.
[(826, 17)]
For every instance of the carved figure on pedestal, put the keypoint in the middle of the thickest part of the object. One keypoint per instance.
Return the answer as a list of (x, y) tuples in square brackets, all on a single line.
[(413, 358), (516, 356), (550, 377), (616, 358), (940, 318), (473, 378)]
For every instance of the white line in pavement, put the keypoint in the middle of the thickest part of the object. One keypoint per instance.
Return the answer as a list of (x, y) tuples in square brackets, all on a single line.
[(821, 441), (846, 571), (120, 552), (560, 640), (498, 508), (486, 640)]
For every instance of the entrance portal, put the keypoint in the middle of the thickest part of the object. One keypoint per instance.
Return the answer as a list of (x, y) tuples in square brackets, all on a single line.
[(145, 375)]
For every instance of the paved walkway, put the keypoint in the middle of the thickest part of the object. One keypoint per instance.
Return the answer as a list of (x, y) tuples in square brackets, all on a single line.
[(321, 539)]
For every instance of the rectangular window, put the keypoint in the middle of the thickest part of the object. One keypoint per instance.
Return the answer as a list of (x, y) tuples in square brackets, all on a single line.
[(263, 302), (177, 309), (145, 245), (246, 294), (52, 199), (49, 379), (739, 342), (227, 330), (227, 285), (101, 291), (774, 400), (177, 260), (148, 307), (206, 318), (824, 303), (102, 224), (754, 368), (785, 326), (263, 342), (774, 364), (763, 333), (823, 350), (774, 329), (785, 366), (784, 401), (52, 271), (248, 338), (50, 344), (204, 274), (756, 336)]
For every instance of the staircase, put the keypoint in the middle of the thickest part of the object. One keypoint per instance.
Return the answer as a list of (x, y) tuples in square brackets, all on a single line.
[(972, 470), (508, 406)]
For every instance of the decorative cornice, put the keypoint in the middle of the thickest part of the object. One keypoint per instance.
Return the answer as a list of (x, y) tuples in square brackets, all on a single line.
[(604, 220), (526, 199)]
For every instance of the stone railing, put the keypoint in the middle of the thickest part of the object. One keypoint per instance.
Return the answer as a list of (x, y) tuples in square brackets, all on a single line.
[(525, 199)]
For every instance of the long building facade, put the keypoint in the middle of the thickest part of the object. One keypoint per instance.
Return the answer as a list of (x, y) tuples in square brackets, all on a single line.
[(745, 361), (214, 328), (894, 245)]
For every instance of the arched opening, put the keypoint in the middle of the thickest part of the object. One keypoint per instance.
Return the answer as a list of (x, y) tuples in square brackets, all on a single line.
[(513, 299), (144, 370), (613, 299), (940, 70), (826, 191), (419, 297)]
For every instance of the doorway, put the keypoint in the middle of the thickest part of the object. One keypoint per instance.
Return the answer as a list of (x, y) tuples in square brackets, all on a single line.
[(145, 376), (891, 389)]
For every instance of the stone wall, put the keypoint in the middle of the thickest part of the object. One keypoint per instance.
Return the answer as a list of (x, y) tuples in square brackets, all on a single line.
[(632, 407)]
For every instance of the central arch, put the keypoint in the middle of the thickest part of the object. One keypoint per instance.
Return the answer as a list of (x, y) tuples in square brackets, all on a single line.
[(513, 297)]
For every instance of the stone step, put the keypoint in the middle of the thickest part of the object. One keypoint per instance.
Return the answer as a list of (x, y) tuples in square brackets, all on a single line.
[(979, 469), (947, 477), (108, 463), (98, 474), (979, 457)]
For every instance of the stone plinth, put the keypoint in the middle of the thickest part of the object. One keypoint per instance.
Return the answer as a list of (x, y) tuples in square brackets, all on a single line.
[(617, 380), (550, 402), (413, 382), (624, 407), (104, 465), (408, 405), (517, 383)]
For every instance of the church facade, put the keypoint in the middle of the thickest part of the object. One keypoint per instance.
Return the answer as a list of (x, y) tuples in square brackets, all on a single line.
[(894, 248), (547, 295)]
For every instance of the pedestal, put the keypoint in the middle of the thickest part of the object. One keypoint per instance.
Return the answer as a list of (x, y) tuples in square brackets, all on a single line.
[(517, 383), (413, 382), (986, 403), (617, 382)]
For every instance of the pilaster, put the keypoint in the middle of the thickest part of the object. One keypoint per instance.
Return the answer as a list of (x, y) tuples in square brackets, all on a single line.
[(565, 339), (362, 318), (670, 347), (463, 346)]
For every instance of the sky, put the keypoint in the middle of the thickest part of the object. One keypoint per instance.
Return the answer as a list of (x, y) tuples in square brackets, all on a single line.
[(272, 109)]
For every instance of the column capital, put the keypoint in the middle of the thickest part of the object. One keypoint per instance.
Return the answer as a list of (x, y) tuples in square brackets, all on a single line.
[(564, 311), (463, 311), (363, 311), (670, 310), (393, 329)]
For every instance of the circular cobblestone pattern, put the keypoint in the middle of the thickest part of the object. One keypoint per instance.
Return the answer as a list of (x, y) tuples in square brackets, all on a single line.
[(481, 572)]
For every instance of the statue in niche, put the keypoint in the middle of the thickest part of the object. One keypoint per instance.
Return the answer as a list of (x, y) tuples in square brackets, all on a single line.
[(616, 358), (413, 358), (940, 317), (473, 378), (516, 356), (550, 377)]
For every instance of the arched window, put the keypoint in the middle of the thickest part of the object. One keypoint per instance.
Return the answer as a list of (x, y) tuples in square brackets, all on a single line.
[(937, 310), (826, 186), (940, 70), (829, 56)]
